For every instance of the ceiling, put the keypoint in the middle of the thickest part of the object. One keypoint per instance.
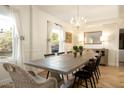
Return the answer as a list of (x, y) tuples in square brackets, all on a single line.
[(90, 12)]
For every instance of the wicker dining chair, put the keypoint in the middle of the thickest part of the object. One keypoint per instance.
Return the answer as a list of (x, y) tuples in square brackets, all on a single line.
[(23, 79)]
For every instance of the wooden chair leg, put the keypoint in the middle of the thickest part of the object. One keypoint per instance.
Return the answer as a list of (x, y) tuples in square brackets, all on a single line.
[(86, 83), (96, 76), (94, 81), (67, 77), (99, 71), (91, 83), (62, 77), (74, 82), (47, 75), (78, 82)]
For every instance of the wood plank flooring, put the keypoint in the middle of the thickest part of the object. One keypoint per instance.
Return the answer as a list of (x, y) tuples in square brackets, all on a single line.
[(111, 77)]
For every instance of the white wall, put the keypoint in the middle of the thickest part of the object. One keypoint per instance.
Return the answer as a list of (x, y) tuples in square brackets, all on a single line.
[(121, 11), (112, 32), (39, 34), (35, 42)]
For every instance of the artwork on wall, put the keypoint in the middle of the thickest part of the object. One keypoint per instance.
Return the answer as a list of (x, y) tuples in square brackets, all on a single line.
[(92, 37), (68, 37)]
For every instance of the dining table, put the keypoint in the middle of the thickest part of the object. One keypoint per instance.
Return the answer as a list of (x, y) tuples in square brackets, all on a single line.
[(62, 64)]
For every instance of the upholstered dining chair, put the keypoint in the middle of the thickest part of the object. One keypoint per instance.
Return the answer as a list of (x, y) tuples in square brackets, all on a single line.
[(60, 53), (68, 52), (23, 79)]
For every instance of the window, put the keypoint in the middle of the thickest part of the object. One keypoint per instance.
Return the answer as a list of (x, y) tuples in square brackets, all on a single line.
[(6, 37), (57, 39)]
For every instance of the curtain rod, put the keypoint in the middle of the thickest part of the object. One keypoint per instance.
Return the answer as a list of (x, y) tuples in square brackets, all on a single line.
[(58, 24), (55, 23)]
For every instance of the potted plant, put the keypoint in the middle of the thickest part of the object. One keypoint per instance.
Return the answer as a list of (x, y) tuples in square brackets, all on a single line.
[(80, 50), (75, 48)]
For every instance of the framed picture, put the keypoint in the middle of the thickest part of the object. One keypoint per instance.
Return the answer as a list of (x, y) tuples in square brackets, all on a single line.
[(92, 37), (68, 37)]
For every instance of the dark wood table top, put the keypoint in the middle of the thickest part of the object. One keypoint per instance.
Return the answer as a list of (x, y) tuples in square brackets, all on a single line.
[(62, 64)]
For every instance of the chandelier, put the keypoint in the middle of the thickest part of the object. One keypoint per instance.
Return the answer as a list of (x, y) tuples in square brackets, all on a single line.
[(78, 20)]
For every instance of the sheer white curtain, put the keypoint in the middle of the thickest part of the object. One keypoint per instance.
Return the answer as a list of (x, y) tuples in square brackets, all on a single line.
[(13, 15), (61, 38), (17, 32)]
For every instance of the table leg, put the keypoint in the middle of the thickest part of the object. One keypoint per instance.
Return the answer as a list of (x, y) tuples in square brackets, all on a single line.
[(58, 78)]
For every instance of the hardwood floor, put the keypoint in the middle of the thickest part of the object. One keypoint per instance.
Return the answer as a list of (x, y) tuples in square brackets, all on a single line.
[(111, 77)]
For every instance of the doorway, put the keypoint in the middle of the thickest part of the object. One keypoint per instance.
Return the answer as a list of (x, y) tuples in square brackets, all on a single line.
[(121, 47)]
